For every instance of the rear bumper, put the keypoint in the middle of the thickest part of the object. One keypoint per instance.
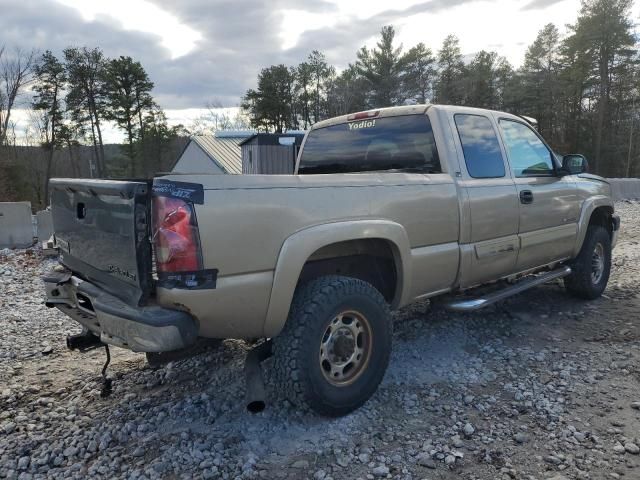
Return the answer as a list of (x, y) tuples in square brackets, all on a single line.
[(141, 329)]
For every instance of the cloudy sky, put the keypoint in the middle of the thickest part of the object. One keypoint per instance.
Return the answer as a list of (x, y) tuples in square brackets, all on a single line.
[(197, 51)]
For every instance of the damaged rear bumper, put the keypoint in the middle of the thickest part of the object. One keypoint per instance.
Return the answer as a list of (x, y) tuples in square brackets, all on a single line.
[(140, 329)]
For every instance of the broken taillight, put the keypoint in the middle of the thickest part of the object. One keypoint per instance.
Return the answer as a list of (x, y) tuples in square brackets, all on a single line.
[(175, 236)]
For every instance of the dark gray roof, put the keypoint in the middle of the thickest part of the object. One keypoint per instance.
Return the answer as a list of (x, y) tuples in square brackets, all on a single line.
[(273, 138)]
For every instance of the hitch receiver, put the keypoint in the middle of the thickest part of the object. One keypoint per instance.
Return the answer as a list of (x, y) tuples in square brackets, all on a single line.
[(84, 341)]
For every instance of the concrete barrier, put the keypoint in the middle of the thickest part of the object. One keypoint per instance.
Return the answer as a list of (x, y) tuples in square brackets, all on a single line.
[(625, 188), (16, 229), (45, 225)]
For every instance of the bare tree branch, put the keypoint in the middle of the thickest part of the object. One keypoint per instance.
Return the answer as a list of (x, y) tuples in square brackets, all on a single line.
[(15, 74)]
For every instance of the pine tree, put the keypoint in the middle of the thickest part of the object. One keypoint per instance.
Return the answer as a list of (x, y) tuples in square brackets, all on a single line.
[(540, 76), (603, 35), (321, 72), (50, 82), (347, 93), (270, 105), (383, 69), (128, 96), (86, 98), (304, 92), (449, 87), (486, 78), (420, 73)]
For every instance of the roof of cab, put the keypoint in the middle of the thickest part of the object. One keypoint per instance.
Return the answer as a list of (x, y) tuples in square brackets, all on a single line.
[(382, 112), (402, 110)]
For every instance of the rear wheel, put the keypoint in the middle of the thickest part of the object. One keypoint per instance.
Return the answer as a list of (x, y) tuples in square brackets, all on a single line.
[(591, 268), (335, 346)]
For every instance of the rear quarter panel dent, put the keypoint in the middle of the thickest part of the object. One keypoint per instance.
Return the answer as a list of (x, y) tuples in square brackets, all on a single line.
[(236, 308)]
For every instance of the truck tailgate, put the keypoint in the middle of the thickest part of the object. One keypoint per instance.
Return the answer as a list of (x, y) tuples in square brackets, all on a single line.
[(102, 230)]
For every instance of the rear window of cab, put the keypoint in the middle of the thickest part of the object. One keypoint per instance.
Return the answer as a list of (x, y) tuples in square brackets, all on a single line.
[(402, 144)]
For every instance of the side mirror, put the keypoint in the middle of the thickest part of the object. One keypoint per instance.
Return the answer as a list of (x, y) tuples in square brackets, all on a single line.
[(574, 164)]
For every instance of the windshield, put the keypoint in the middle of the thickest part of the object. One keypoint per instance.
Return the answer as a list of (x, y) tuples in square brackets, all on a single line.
[(403, 143)]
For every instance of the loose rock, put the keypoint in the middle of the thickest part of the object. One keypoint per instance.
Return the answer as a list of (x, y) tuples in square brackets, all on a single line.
[(380, 471), (539, 386)]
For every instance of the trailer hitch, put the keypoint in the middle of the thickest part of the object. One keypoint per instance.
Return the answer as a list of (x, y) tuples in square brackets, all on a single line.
[(86, 341), (107, 383)]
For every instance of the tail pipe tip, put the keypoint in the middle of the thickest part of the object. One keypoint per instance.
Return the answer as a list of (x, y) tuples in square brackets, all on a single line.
[(255, 390)]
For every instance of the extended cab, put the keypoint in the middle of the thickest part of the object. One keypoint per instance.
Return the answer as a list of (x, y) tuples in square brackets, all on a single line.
[(387, 207)]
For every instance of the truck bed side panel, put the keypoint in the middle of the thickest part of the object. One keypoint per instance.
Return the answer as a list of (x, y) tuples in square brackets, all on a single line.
[(260, 212)]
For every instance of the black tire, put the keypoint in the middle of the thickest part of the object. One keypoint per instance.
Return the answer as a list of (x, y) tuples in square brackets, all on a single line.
[(309, 334), (584, 282)]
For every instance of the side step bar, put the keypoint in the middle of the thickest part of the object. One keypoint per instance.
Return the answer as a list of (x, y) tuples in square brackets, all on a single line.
[(473, 304)]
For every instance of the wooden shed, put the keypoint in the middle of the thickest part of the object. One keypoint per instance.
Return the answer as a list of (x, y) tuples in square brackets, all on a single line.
[(271, 153)]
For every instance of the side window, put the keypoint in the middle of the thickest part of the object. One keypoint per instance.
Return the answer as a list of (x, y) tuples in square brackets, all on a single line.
[(480, 146), (528, 155)]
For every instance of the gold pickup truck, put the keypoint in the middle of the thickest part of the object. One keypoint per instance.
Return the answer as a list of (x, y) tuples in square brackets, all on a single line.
[(386, 207)]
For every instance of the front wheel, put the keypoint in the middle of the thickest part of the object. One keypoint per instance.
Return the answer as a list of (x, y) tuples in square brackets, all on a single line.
[(591, 268), (335, 347)]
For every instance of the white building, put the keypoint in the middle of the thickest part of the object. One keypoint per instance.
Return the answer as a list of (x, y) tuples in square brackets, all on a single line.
[(220, 153)]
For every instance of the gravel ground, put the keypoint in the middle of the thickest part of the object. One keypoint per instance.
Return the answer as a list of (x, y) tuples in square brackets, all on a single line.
[(540, 387)]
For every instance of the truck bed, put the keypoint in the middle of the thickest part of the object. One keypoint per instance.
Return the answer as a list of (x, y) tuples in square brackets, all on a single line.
[(244, 222)]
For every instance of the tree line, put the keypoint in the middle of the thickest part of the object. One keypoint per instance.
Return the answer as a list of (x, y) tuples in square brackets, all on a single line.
[(73, 97), (582, 87)]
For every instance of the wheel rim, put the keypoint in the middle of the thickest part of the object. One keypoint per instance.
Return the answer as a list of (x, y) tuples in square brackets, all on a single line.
[(345, 348), (597, 263)]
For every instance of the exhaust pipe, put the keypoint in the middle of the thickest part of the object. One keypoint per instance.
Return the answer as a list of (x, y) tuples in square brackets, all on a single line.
[(255, 396), (83, 341)]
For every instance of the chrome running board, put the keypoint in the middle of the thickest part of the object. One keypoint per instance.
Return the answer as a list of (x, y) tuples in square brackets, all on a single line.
[(472, 304)]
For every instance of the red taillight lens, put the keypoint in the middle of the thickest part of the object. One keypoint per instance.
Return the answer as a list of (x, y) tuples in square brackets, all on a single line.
[(175, 235)]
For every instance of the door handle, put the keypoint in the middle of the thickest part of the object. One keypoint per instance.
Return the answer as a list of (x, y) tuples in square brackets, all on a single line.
[(526, 196)]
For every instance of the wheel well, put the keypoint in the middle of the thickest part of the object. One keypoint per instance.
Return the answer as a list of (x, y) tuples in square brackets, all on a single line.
[(602, 216), (371, 260)]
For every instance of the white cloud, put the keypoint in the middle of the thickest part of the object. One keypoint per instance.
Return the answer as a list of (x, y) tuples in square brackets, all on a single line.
[(142, 16), (506, 26), (296, 22), (501, 25)]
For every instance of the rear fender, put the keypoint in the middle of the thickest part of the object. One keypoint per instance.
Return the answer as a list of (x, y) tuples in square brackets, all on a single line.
[(301, 245)]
